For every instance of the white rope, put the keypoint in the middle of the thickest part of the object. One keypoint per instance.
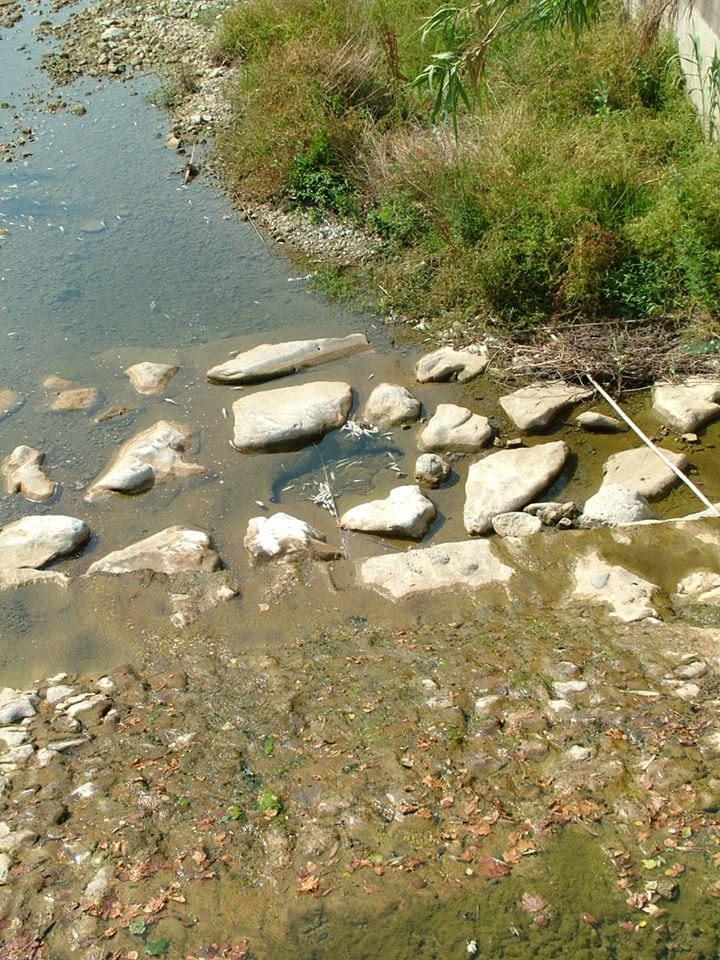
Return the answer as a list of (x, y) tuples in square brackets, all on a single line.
[(648, 443)]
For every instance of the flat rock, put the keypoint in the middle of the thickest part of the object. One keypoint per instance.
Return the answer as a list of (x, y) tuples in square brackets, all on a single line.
[(23, 473), (431, 470), (615, 504), (270, 360), (173, 550), (642, 470), (35, 541), (449, 364), (148, 377), (25, 576), (516, 524), (147, 458), (79, 398), (595, 422), (287, 417), (467, 564), (702, 585), (687, 406), (282, 537), (509, 480), (534, 407), (406, 512), (15, 706), (112, 411), (456, 430), (388, 405), (56, 383), (629, 596), (9, 402)]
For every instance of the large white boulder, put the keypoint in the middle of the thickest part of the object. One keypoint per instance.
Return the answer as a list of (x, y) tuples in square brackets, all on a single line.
[(286, 417), (615, 504), (388, 405), (466, 565), (456, 430), (534, 407), (23, 473), (448, 364), (35, 541), (270, 360), (148, 377), (687, 406), (644, 471), (173, 550), (283, 537), (406, 512), (147, 458), (509, 480)]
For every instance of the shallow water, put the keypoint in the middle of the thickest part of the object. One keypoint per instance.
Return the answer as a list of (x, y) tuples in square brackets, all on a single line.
[(110, 260)]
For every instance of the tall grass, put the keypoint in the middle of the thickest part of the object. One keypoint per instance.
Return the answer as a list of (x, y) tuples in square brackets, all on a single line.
[(583, 189)]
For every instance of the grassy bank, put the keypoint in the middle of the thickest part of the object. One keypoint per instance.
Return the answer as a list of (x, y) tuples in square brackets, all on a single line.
[(580, 189)]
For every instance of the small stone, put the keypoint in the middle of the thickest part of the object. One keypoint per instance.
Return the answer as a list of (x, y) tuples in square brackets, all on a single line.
[(455, 429), (10, 402), (89, 711), (568, 688), (13, 736), (534, 407), (431, 470), (5, 863), (448, 364), (552, 513), (111, 412), (56, 383), (36, 540), (72, 400), (23, 473), (687, 671), (389, 405), (149, 378), (171, 551), (515, 524), (15, 706), (690, 438), (615, 504), (406, 512), (79, 110), (283, 537), (18, 755), (595, 422), (56, 693), (578, 754)]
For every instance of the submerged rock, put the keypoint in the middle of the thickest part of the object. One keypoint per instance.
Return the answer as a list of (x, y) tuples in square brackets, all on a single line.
[(645, 472), (23, 473), (467, 564), (431, 470), (687, 406), (80, 398), (702, 585), (35, 541), (449, 364), (10, 402), (147, 458), (516, 524), (615, 504), (148, 377), (173, 550), (286, 417), (406, 512), (455, 429), (282, 537), (25, 576), (270, 360), (629, 596), (54, 382), (534, 407), (595, 422), (508, 480), (388, 405)]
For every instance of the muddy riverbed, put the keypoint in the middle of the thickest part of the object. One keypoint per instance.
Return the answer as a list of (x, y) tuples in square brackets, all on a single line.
[(307, 769)]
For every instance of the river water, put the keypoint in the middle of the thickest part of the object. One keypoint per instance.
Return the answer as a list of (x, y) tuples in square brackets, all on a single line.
[(106, 258)]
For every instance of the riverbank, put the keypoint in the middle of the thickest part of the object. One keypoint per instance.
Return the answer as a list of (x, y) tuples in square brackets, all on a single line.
[(549, 786)]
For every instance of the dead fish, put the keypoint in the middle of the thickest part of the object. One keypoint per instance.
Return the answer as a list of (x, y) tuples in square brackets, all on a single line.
[(173, 402), (224, 413)]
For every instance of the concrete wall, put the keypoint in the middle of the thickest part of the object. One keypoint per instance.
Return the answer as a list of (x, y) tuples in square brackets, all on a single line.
[(700, 19)]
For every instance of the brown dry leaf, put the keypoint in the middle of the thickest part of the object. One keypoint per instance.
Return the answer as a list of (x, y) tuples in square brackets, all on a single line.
[(491, 869), (531, 903), (447, 802), (199, 856), (675, 870), (309, 885)]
